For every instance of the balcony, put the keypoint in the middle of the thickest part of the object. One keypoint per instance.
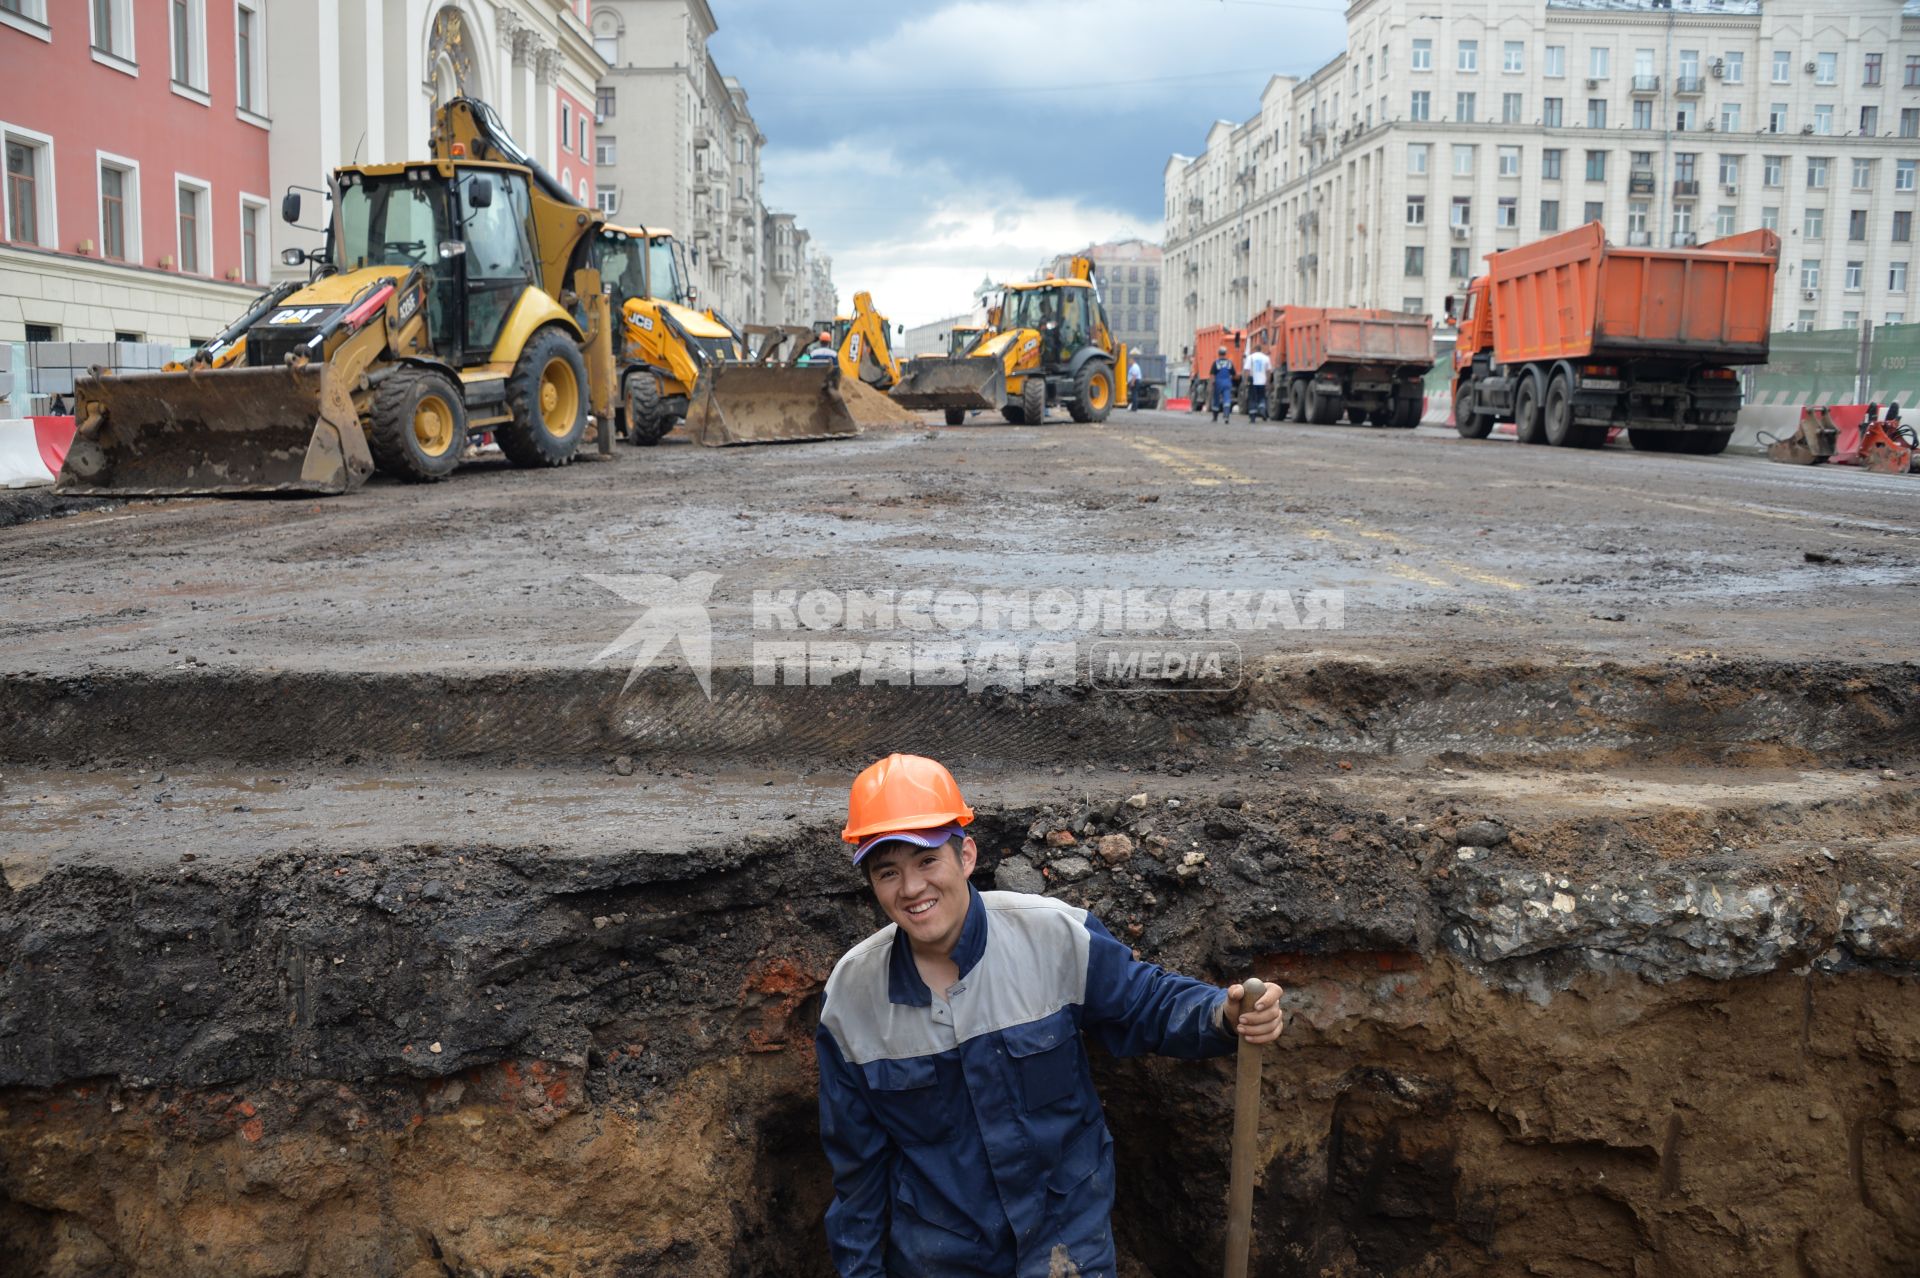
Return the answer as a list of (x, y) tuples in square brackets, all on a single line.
[(703, 135), (1639, 239), (702, 180), (1645, 84), (1640, 182), (1685, 239), (1316, 133), (1686, 189), (1689, 86)]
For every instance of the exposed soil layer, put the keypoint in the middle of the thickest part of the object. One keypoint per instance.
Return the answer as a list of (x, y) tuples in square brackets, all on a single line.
[(1527, 1038)]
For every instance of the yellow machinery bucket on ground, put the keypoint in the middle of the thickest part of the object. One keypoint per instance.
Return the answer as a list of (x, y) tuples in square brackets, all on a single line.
[(209, 431), (953, 382), (762, 402)]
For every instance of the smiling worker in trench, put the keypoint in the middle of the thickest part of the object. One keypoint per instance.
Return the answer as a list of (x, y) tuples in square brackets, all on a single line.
[(956, 1103)]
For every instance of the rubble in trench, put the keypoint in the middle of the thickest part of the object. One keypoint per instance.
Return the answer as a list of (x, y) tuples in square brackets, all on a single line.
[(1684, 1042)]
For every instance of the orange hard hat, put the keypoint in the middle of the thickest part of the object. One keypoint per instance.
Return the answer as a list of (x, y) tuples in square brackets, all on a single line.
[(903, 792)]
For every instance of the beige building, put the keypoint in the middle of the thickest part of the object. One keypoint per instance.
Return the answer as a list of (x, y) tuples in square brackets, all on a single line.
[(678, 148), (1447, 132), (1129, 275)]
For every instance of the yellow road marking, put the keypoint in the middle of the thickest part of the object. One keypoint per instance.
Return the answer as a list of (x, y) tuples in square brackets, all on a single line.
[(1188, 455), (1452, 565), (1186, 472), (1397, 570)]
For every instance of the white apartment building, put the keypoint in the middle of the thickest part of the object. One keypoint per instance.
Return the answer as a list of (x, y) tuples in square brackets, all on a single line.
[(677, 147), (1446, 132)]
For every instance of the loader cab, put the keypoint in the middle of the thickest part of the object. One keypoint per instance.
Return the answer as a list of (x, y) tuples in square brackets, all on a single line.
[(667, 271), (620, 256), (465, 226), (1062, 312)]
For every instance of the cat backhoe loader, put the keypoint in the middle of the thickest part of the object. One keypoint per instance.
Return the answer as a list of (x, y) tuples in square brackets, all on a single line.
[(442, 307), (678, 362), (1046, 343)]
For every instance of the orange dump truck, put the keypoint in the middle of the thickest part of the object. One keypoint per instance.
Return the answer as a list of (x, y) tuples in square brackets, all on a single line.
[(1570, 335), (1368, 365), (1206, 348)]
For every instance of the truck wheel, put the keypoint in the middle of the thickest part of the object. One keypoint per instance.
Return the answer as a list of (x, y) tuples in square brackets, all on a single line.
[(418, 426), (1469, 425), (1529, 416), (647, 418), (1277, 403), (1561, 431), (1705, 443), (1092, 392), (956, 416), (1406, 414), (1196, 399), (1014, 414), (1328, 409), (546, 395), (1650, 441), (1033, 400)]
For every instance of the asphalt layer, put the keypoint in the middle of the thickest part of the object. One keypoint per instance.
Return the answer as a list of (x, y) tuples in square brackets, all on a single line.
[(1444, 549)]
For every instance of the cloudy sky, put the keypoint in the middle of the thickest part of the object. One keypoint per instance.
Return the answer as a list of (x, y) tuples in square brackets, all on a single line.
[(929, 144)]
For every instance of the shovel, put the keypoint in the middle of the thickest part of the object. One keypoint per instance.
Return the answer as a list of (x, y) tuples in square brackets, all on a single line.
[(1246, 1129)]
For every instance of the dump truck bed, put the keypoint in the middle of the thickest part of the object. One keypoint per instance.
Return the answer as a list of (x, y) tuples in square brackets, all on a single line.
[(1321, 335), (1574, 296)]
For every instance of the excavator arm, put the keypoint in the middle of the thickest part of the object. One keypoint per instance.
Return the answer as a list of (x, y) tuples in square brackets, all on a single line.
[(865, 353)]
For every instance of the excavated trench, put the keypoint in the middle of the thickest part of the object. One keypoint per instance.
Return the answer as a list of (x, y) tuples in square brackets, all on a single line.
[(1591, 972)]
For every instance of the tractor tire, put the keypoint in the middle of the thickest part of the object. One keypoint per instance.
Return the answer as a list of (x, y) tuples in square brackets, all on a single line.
[(956, 416), (647, 420), (1092, 392), (1558, 417), (1650, 441), (1033, 400), (418, 426), (1529, 411), (1015, 415), (547, 397)]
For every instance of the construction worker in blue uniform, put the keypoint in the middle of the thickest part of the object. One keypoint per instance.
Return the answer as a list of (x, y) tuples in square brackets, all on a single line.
[(1222, 374), (957, 1106)]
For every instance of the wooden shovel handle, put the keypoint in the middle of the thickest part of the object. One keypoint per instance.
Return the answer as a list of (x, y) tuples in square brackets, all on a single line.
[(1246, 1132)]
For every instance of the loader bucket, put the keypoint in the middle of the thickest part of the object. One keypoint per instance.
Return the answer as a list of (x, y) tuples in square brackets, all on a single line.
[(963, 382), (231, 430), (745, 403)]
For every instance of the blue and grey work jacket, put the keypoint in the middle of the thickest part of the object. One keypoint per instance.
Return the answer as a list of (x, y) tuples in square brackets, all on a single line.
[(965, 1135)]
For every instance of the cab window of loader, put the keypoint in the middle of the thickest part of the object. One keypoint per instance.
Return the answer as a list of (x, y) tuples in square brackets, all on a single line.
[(390, 222), (664, 271), (623, 266), (499, 259), (1029, 308)]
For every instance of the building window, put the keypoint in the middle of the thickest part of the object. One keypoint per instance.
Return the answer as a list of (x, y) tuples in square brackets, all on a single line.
[(1723, 220), (1862, 175), (566, 127), (607, 199), (1869, 121), (1598, 61), (29, 16), (1514, 58), (1643, 113), (1910, 122), (1556, 61), (1421, 108), (1596, 166), (1770, 218), (603, 104), (1816, 172), (1734, 68), (1594, 211), (1637, 223), (580, 137), (1507, 212), (119, 210), (1550, 113), (1895, 317), (248, 53), (1826, 68), (1902, 226), (1684, 163), (29, 190), (1460, 263), (1855, 272), (608, 47), (1816, 225), (1897, 277), (1857, 225), (1463, 107), (194, 250), (43, 332), (1682, 224), (1806, 321), (1683, 117), (1730, 170), (1771, 168), (1903, 174), (1423, 55), (113, 30), (253, 221), (1510, 108), (1782, 66), (1550, 162), (1462, 211), (187, 29), (1416, 210), (1417, 157), (605, 151), (1730, 117), (1823, 120), (1596, 113), (1777, 118), (1870, 76), (1469, 57), (1416, 264), (1509, 161), (1462, 160), (1913, 71), (1549, 215)]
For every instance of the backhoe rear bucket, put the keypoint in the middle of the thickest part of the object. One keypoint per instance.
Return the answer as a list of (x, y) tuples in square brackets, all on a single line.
[(743, 403), (954, 382), (229, 430)]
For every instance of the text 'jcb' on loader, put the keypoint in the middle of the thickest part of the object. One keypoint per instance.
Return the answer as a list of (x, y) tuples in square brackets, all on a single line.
[(442, 307), (1048, 343), (678, 362)]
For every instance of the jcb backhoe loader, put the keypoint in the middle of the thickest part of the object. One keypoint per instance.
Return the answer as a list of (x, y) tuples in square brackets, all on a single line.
[(679, 362), (440, 308), (862, 342), (1047, 342)]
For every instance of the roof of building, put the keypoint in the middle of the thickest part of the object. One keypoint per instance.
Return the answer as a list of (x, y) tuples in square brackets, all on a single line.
[(1743, 8)]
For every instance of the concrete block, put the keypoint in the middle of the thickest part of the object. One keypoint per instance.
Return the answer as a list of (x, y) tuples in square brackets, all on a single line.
[(53, 381), (46, 355), (84, 355), (6, 385), (6, 357)]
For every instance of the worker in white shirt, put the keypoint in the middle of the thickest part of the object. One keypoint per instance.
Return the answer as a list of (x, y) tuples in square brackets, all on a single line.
[(1257, 366)]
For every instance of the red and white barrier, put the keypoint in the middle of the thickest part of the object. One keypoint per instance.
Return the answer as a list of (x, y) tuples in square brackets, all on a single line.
[(32, 450)]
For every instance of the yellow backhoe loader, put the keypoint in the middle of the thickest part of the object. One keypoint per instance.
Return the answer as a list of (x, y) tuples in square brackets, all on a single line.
[(1047, 343), (679, 362), (863, 345), (454, 297)]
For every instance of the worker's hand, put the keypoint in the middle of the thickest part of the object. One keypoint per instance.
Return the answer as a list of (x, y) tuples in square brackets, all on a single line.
[(1259, 1024)]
